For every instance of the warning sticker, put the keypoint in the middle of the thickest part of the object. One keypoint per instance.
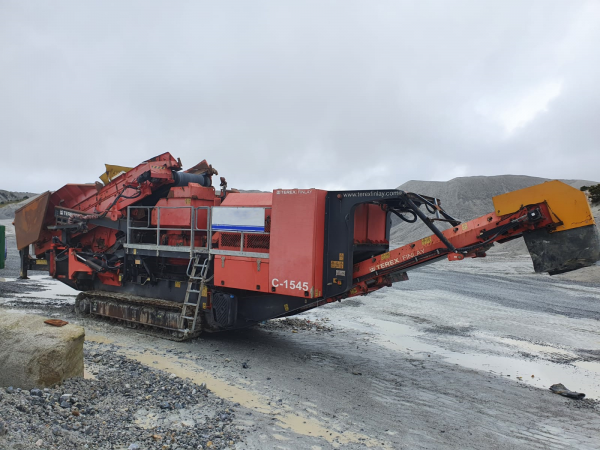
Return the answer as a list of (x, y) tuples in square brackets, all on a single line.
[(340, 273), (337, 264)]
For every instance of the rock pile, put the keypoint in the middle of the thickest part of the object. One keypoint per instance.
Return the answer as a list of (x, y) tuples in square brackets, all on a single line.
[(296, 324), (125, 406)]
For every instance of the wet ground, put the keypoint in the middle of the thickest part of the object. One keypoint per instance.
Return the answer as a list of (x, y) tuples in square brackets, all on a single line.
[(460, 356)]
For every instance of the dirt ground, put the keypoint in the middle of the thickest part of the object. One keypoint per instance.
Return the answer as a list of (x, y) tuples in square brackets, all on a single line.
[(460, 356)]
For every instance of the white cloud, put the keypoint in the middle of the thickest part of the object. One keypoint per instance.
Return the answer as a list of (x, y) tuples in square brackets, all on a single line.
[(515, 110), (351, 95), (526, 108)]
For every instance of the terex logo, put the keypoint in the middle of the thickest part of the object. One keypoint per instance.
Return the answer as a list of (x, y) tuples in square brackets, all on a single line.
[(383, 265), (392, 262)]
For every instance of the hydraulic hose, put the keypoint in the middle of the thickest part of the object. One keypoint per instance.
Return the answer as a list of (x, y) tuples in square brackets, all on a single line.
[(447, 216), (429, 224), (399, 214)]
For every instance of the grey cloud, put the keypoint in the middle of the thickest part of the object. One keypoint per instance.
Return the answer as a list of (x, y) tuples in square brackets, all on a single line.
[(297, 94)]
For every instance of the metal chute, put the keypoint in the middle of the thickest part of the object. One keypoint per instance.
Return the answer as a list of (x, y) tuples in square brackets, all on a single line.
[(570, 245), (29, 220), (563, 251)]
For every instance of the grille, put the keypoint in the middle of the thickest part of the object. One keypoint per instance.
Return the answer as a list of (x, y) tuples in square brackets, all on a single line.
[(258, 241), (252, 242), (231, 240)]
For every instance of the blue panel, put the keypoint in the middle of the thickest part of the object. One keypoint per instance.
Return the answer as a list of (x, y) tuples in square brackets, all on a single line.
[(224, 227), (237, 219)]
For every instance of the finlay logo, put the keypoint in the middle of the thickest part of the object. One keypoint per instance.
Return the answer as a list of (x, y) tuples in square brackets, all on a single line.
[(294, 191)]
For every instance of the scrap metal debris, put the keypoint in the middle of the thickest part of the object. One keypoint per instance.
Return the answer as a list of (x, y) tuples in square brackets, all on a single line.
[(56, 322), (560, 389)]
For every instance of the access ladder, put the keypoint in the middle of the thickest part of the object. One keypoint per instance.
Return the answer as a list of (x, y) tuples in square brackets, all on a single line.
[(192, 280)]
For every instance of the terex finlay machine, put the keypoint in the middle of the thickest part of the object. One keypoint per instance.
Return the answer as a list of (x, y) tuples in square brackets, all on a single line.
[(156, 246)]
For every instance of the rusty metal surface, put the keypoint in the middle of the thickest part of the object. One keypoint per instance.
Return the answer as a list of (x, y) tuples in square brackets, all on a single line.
[(29, 220), (127, 298), (56, 322), (563, 251), (203, 168), (145, 315)]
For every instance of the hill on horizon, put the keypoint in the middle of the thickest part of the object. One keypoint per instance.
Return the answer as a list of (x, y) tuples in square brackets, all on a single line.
[(9, 196), (11, 201)]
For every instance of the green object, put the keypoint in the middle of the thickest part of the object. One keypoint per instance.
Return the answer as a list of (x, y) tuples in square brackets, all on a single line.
[(2, 245)]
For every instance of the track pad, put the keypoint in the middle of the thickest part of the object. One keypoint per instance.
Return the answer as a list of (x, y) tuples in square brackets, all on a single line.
[(224, 308)]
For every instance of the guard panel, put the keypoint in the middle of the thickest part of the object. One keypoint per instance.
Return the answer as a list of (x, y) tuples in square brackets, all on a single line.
[(567, 204), (239, 272), (297, 223)]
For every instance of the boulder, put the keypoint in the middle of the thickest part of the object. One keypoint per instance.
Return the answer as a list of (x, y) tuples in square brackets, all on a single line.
[(34, 354)]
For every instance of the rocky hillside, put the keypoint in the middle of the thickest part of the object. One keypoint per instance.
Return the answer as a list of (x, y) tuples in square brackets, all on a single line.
[(11, 201), (8, 196), (466, 198)]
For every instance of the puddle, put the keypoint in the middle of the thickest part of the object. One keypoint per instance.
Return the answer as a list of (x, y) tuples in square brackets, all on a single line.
[(537, 349), (580, 376), (47, 291)]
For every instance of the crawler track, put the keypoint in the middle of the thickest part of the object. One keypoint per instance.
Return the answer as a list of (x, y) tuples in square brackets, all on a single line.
[(151, 316)]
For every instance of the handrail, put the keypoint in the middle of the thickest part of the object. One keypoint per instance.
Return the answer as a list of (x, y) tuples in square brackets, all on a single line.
[(193, 229), (157, 229)]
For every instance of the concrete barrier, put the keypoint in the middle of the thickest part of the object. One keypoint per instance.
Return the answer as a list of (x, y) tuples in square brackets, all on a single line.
[(34, 354)]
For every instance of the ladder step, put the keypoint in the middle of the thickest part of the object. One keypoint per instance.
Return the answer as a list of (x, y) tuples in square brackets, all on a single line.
[(193, 278)]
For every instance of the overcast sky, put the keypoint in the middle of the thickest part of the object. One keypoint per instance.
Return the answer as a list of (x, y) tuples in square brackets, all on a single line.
[(326, 94)]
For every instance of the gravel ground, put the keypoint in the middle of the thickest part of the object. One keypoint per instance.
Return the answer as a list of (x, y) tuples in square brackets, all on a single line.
[(122, 405), (295, 324)]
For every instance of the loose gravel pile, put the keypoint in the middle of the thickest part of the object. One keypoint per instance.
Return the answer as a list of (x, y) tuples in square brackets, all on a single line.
[(296, 324), (127, 406)]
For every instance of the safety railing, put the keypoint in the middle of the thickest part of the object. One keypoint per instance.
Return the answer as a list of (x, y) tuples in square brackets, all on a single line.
[(246, 241), (165, 231)]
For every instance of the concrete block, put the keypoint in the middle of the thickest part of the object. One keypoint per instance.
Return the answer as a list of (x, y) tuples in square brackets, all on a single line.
[(34, 354)]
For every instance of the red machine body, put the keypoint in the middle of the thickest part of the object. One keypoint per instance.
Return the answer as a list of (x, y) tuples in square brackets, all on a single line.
[(156, 237)]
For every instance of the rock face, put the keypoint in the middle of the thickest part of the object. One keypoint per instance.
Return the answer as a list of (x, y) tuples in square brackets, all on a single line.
[(34, 354)]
